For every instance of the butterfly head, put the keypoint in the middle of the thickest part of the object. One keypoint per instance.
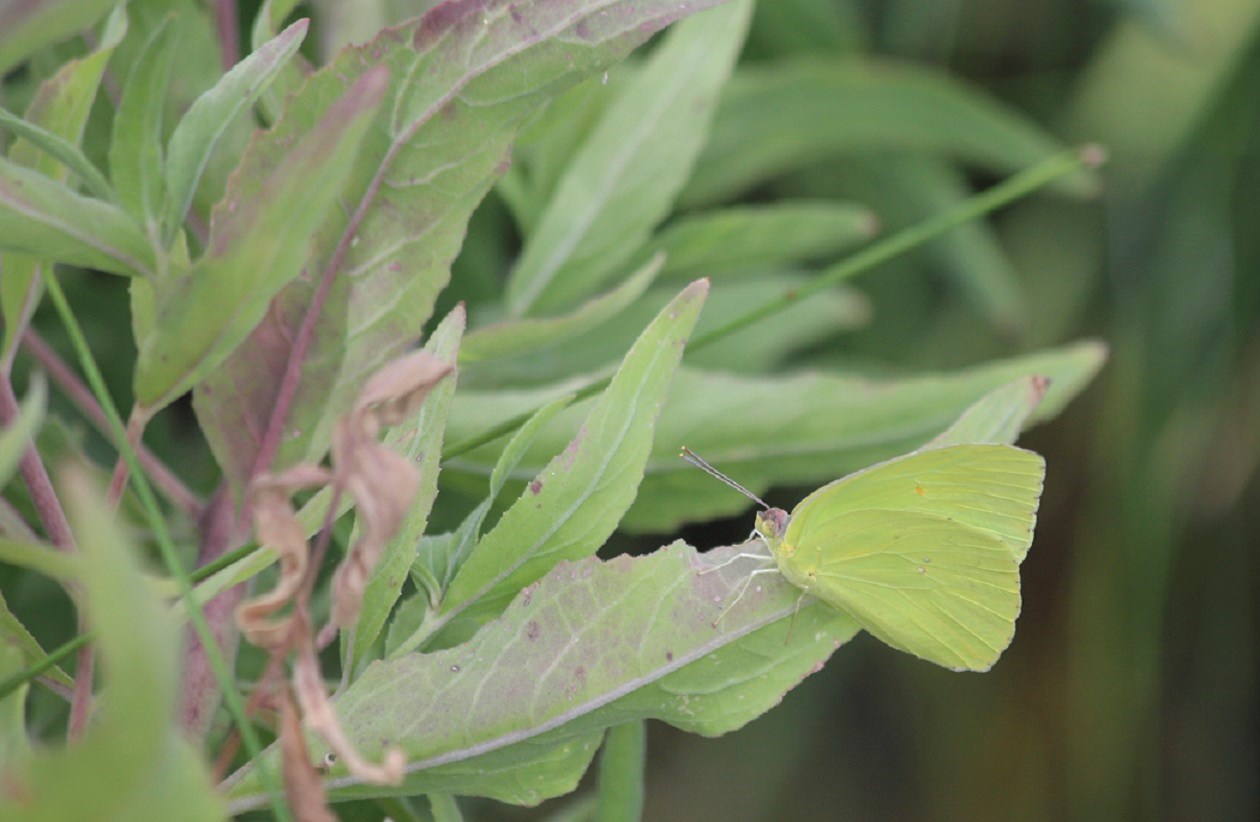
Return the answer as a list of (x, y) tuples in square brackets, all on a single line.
[(770, 524)]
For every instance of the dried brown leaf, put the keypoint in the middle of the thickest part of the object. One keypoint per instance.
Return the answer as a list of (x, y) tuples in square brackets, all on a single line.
[(276, 527), (382, 483), (302, 783), (308, 684)]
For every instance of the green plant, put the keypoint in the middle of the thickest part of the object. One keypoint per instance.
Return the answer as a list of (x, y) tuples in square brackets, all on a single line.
[(287, 233)]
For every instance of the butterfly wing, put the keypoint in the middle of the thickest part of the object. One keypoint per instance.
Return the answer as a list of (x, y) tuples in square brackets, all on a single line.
[(935, 588), (994, 488)]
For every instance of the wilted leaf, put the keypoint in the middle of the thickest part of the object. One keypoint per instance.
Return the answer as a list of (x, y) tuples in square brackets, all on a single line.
[(418, 440)]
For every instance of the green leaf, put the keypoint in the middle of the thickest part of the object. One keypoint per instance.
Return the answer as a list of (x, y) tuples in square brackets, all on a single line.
[(751, 350), (440, 557), (803, 429), (135, 148), (61, 106), (292, 74), (514, 338), (133, 762), (15, 438), (15, 637), (437, 148), (27, 28), (61, 150), (47, 220), (201, 128), (517, 712), (749, 238), (997, 417), (256, 247), (575, 502), (791, 114), (421, 442), (623, 180), (14, 745)]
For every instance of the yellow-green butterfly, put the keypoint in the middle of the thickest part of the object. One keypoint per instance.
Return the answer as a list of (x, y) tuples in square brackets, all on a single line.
[(923, 551)]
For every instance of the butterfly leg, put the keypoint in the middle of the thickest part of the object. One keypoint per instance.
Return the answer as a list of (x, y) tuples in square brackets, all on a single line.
[(795, 611), (743, 589), (735, 558)]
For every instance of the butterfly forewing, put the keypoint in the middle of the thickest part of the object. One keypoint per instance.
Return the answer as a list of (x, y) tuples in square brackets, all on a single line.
[(938, 589), (994, 488)]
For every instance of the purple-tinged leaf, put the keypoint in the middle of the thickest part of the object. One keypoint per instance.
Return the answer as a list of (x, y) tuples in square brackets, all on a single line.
[(463, 78), (257, 245)]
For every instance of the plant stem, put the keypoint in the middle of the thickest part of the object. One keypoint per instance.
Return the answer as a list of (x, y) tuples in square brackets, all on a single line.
[(170, 556), (163, 479)]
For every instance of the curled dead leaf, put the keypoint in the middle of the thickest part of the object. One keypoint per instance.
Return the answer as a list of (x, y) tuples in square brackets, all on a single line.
[(382, 482), (302, 784), (276, 527), (308, 685)]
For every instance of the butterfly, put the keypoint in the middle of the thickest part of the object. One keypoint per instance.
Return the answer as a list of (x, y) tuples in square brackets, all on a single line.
[(923, 550)]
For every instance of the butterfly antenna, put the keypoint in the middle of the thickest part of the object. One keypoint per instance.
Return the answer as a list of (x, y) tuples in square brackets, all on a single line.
[(692, 457)]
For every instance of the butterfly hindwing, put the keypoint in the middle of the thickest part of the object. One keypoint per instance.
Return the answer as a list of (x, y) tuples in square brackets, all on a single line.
[(935, 588)]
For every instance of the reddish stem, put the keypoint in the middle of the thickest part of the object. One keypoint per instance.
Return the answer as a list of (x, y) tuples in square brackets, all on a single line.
[(228, 20), (68, 381)]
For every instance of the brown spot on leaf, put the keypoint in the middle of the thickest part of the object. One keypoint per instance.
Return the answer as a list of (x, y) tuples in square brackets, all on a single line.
[(533, 630), (535, 487), (669, 656), (443, 17)]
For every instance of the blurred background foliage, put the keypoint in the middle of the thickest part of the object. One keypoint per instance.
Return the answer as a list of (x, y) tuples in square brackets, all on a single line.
[(1130, 689)]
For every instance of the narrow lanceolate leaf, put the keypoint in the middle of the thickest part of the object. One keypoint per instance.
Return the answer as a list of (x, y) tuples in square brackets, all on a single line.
[(256, 247), (798, 429), (624, 179), (577, 500), (41, 216), (749, 238), (998, 417), (201, 128), (135, 148), (60, 107), (788, 115), (420, 441), (60, 150), (515, 338), (462, 79), (13, 634), (517, 712), (26, 28)]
